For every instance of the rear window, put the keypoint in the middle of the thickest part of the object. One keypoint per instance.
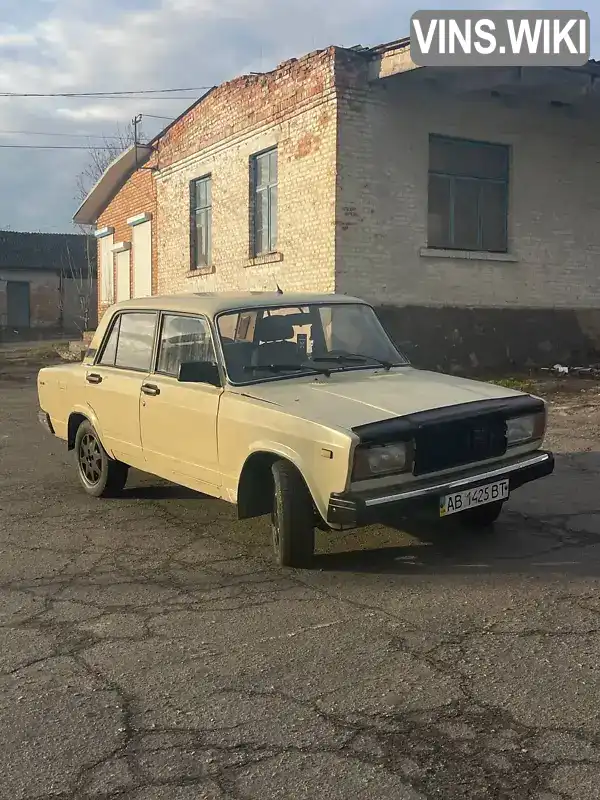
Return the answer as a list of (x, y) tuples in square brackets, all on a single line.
[(130, 342)]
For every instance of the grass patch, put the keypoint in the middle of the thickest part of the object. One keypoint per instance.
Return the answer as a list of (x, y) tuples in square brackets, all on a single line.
[(519, 384)]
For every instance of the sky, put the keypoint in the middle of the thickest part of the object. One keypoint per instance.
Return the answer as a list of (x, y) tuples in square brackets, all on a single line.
[(85, 46)]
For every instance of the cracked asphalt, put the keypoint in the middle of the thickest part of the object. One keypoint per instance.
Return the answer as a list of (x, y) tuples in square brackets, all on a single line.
[(149, 649)]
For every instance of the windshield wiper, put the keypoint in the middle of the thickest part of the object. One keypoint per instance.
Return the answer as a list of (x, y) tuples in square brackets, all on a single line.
[(355, 358), (287, 368)]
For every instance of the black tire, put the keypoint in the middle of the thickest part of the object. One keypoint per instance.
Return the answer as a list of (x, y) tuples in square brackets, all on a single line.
[(481, 517), (100, 475), (292, 518)]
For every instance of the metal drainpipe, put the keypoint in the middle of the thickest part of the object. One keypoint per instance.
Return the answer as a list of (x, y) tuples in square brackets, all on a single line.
[(61, 300)]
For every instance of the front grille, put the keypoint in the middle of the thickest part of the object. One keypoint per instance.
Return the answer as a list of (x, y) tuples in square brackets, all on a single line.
[(452, 444)]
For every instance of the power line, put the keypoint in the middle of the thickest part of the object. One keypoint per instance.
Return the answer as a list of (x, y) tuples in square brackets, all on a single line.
[(138, 97), (154, 116), (104, 94), (52, 147), (4, 132), (56, 133)]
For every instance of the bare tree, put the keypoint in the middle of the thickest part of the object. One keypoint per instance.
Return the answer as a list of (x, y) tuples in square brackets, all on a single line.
[(101, 155), (82, 274)]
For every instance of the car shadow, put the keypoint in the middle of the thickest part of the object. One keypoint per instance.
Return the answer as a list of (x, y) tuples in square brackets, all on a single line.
[(551, 525), (143, 486), (533, 534)]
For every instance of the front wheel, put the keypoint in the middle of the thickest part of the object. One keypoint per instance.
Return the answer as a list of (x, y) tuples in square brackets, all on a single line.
[(292, 517), (480, 517), (100, 475)]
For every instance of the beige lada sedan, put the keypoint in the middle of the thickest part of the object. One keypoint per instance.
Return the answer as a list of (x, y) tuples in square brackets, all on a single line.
[(297, 406)]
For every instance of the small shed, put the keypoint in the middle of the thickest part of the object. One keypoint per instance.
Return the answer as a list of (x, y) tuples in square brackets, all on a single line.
[(47, 285)]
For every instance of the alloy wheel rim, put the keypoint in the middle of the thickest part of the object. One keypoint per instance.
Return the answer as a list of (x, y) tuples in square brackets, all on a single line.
[(90, 459)]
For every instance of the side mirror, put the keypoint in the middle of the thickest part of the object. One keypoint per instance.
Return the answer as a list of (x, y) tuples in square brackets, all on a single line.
[(199, 372)]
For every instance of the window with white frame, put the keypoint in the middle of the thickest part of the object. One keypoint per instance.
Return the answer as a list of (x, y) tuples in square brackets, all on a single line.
[(264, 202)]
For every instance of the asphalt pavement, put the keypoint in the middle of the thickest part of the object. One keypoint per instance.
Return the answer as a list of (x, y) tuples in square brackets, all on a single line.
[(150, 650)]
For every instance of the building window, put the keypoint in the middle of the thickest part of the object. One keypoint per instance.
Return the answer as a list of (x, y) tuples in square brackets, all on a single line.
[(201, 222), (468, 195), (264, 202)]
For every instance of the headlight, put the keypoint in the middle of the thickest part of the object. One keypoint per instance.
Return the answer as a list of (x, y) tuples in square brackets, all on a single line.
[(525, 429), (373, 462)]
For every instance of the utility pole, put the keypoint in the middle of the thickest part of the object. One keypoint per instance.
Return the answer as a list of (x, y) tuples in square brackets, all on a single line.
[(136, 122)]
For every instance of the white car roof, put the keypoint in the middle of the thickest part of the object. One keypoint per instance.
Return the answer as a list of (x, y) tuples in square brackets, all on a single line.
[(213, 303)]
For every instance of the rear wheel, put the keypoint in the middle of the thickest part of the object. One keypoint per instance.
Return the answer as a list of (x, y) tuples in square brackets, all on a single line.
[(480, 517), (292, 518), (100, 475)]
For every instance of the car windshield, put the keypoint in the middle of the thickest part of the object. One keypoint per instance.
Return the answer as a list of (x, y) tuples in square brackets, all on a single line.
[(274, 342)]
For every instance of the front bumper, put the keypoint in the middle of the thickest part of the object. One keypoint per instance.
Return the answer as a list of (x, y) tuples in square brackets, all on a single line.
[(361, 508)]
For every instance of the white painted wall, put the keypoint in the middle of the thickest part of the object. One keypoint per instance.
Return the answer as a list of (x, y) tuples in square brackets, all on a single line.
[(122, 265), (107, 271), (141, 237)]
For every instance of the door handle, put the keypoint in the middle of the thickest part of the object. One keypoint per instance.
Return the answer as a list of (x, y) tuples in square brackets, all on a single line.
[(151, 389), (93, 377)]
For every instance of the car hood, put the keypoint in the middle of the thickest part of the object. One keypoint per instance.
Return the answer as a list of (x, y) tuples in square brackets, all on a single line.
[(348, 399)]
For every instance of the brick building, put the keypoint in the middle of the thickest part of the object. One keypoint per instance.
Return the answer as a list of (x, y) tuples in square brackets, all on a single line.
[(47, 285), (463, 203)]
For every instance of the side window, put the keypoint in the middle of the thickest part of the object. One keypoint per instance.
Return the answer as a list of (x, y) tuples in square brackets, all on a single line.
[(183, 339), (107, 359), (136, 338)]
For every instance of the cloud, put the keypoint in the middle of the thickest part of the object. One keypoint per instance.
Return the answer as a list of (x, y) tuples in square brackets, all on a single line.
[(98, 112), (10, 37), (58, 46)]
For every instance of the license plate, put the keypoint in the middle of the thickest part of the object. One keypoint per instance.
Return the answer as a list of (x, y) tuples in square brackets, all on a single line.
[(470, 498)]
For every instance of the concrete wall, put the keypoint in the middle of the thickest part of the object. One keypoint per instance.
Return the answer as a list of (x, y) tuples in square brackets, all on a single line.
[(55, 307), (44, 296), (445, 310)]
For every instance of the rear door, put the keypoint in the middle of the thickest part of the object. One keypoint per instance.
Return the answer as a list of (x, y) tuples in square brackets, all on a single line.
[(115, 380), (179, 420)]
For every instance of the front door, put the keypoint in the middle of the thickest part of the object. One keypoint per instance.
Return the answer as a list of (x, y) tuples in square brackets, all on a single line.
[(114, 383), (179, 420), (18, 310)]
